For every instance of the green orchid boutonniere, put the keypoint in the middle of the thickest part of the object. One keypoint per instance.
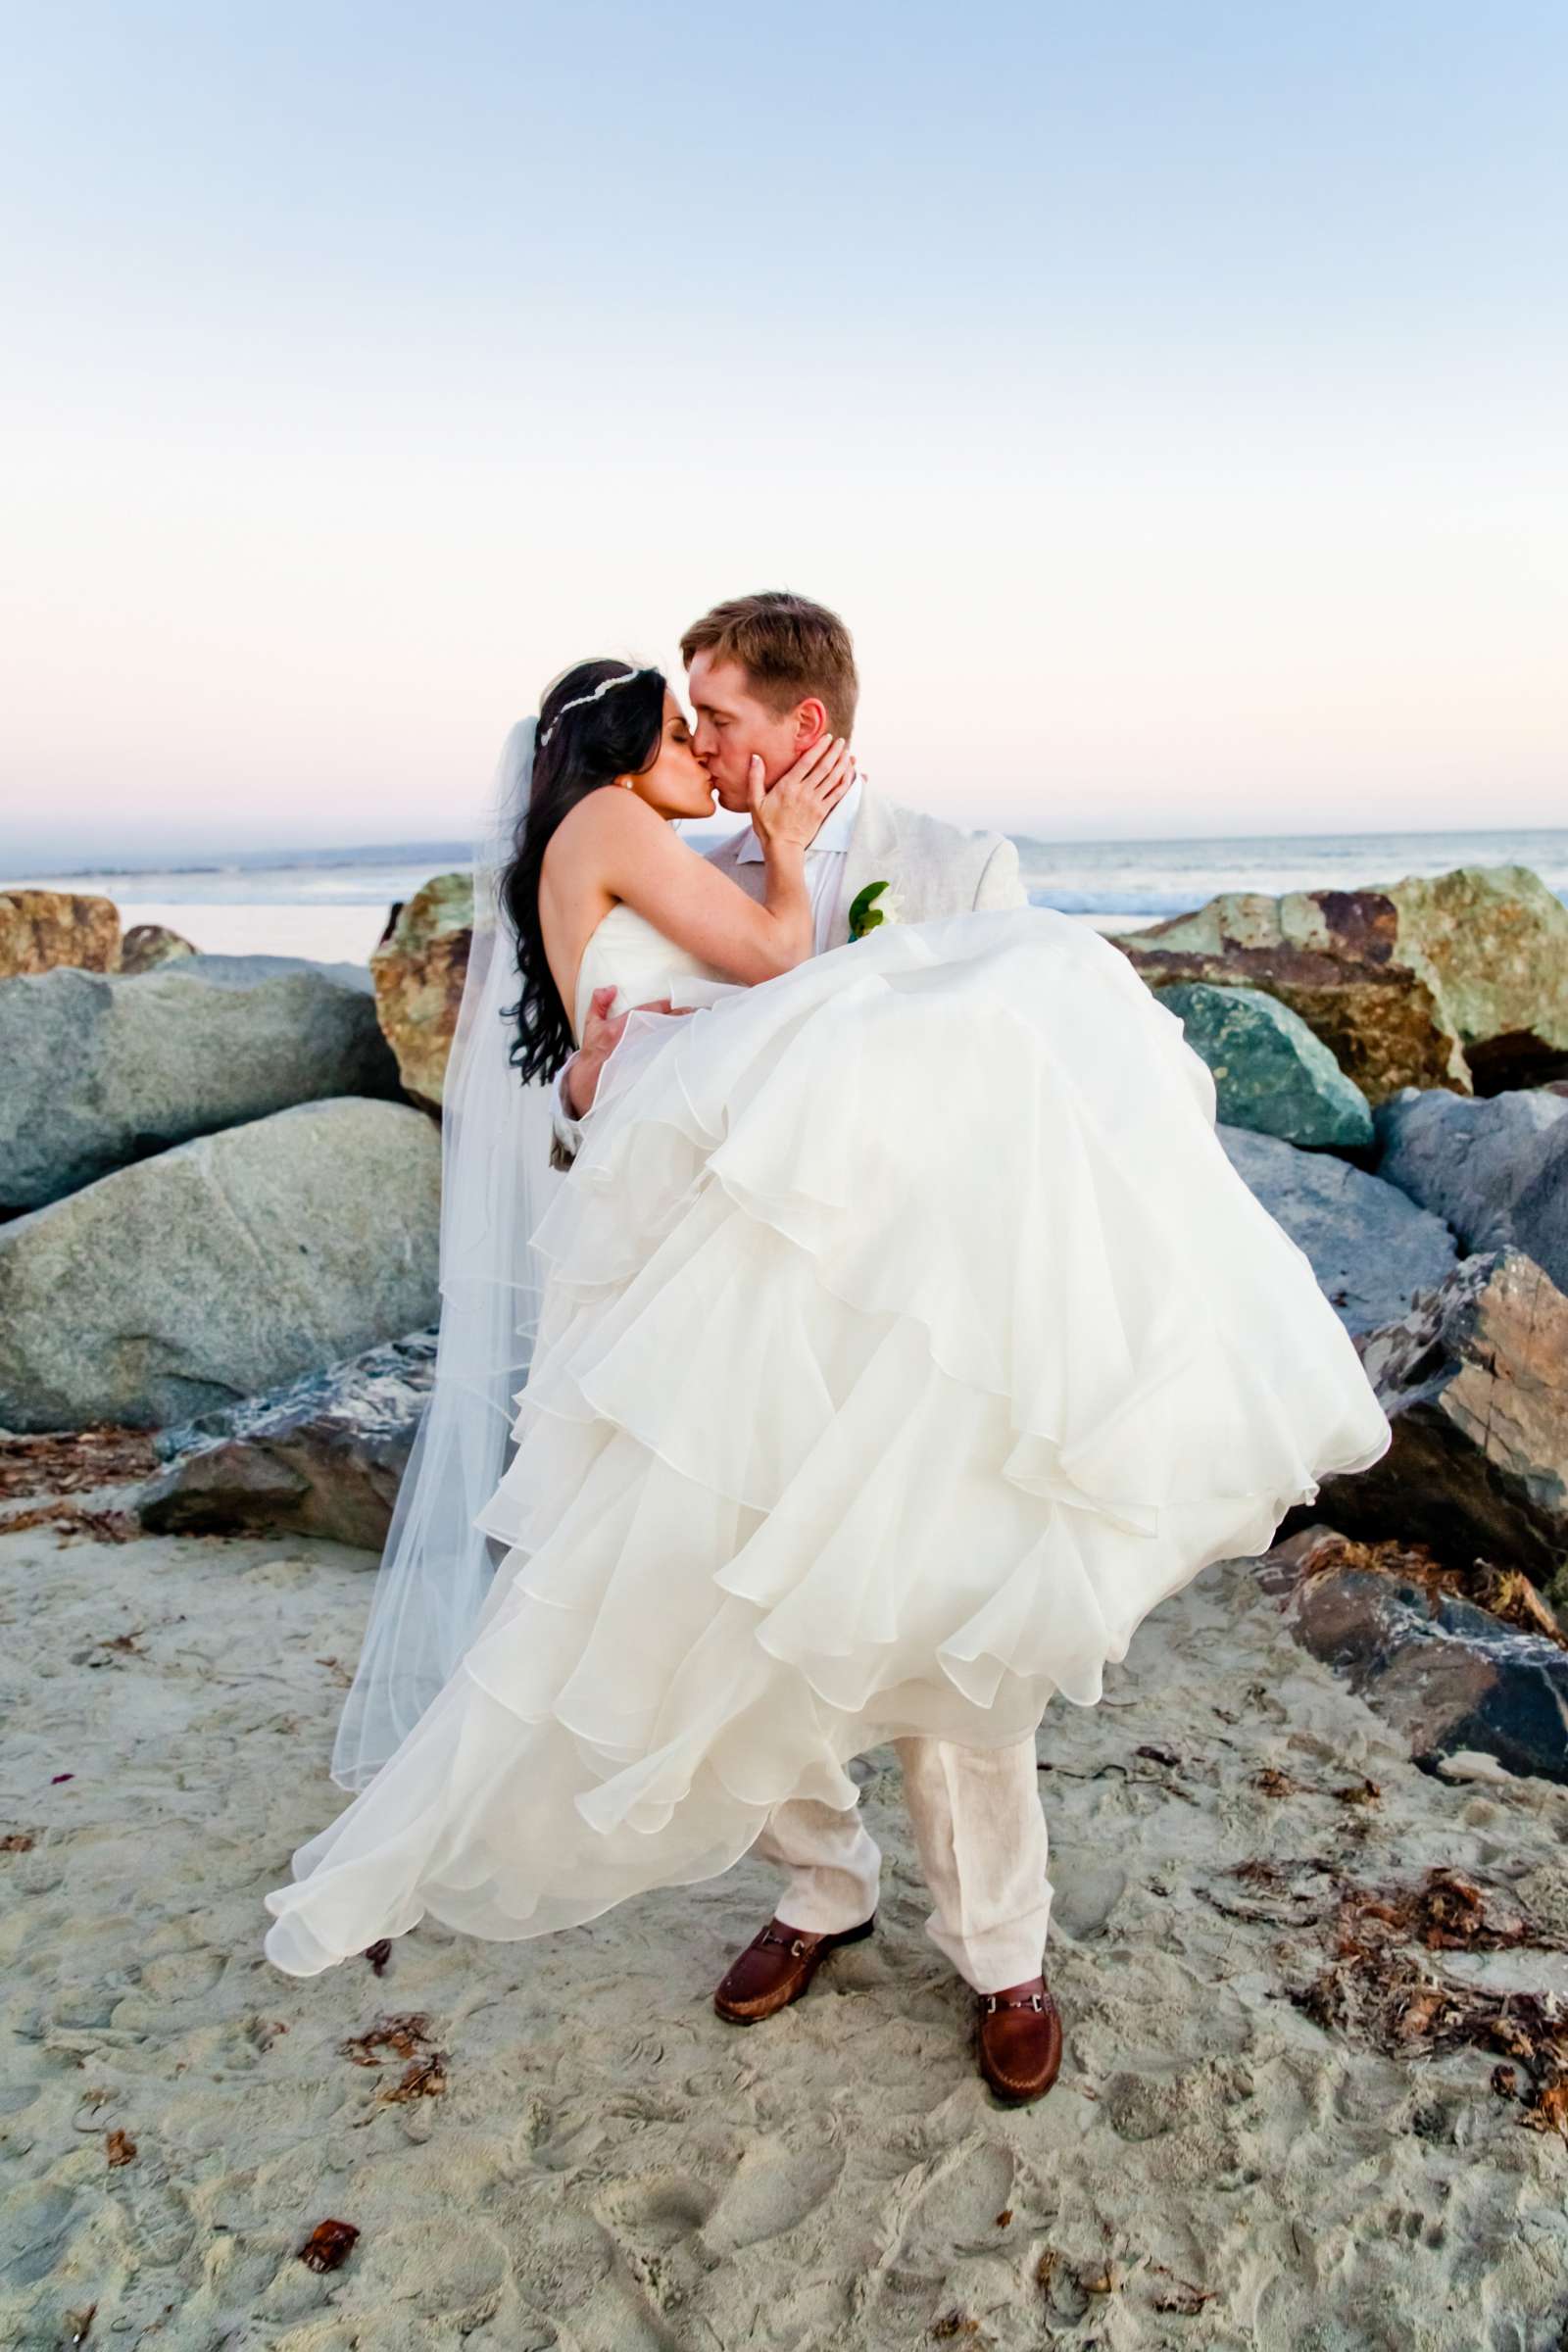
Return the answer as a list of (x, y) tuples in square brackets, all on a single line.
[(866, 913)]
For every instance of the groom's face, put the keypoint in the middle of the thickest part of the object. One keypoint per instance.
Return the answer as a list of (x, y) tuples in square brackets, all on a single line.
[(733, 726)]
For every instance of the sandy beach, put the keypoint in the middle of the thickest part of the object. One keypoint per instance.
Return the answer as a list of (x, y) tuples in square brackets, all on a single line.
[(557, 2144)]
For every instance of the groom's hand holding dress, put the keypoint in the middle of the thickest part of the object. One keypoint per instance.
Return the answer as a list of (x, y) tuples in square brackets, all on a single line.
[(602, 1034)]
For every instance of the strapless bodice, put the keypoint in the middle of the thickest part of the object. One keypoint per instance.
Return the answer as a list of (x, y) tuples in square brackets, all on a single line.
[(641, 964)]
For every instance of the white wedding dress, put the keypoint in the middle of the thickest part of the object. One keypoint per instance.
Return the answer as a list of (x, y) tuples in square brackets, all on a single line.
[(909, 1339)]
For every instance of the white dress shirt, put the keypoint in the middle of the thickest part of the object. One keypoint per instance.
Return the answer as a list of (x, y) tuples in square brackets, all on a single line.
[(824, 882), (824, 862)]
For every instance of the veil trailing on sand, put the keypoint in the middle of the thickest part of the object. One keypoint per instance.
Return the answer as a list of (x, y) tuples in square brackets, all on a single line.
[(496, 1183)]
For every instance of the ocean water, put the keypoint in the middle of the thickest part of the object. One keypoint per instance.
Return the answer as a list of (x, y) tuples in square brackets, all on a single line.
[(1138, 881), (333, 912), (334, 905)]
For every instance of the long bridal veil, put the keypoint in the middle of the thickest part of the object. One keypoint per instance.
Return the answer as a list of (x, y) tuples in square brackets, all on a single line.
[(496, 1183)]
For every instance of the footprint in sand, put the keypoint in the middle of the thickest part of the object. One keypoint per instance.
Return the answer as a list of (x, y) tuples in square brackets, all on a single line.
[(592, 2280), (160, 2220), (183, 1976), (439, 2268), (655, 2212), (1084, 1900), (955, 2205), (17, 2096), (774, 2191), (1147, 2106), (34, 2225)]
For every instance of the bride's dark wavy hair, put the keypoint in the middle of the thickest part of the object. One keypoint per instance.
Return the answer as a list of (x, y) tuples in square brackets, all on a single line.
[(618, 734)]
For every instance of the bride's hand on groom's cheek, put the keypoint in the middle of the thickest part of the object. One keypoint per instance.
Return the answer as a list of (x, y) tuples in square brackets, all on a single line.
[(794, 809)]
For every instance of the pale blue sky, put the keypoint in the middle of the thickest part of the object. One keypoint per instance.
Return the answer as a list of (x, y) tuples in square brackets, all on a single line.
[(1171, 398)]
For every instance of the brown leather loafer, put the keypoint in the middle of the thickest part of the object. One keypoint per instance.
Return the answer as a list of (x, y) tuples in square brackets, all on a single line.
[(1021, 2040), (775, 1969)]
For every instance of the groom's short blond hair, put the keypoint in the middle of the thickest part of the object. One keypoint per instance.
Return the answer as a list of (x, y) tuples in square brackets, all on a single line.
[(788, 646)]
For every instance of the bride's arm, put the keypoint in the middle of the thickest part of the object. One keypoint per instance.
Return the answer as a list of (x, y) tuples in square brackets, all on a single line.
[(640, 861)]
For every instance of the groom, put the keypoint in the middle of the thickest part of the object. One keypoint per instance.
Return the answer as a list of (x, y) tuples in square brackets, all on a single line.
[(767, 676)]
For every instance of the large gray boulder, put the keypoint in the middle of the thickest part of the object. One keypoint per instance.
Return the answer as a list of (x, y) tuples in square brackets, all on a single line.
[(1540, 1206), (323, 1457), (243, 970), (1372, 1249), (222, 1268), (1270, 1073), (101, 1070), (1465, 1160)]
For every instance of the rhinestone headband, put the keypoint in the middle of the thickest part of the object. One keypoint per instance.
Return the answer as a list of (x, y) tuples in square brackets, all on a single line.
[(625, 678)]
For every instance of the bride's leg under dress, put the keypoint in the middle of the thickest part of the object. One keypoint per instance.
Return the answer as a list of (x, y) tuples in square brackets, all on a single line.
[(981, 1834)]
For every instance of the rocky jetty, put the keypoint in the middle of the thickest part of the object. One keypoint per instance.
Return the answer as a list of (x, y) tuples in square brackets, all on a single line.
[(1443, 1240), (222, 1267), (229, 1232), (102, 1070), (420, 969)]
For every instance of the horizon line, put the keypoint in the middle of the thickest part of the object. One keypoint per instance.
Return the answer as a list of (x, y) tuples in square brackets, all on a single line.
[(282, 857)]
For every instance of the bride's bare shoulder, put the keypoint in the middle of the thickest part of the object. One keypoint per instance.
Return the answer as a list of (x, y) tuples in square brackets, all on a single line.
[(602, 823)]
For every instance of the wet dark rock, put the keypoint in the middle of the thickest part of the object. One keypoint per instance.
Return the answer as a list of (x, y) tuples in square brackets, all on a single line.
[(323, 1456), (1446, 1673)]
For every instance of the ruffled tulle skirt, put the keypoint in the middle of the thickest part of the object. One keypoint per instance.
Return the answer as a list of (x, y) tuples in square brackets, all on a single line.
[(909, 1339)]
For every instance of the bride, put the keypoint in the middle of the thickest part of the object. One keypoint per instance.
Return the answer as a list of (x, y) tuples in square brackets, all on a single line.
[(900, 1338)]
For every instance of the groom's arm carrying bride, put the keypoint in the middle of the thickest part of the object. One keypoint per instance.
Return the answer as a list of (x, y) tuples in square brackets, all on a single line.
[(769, 676)]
